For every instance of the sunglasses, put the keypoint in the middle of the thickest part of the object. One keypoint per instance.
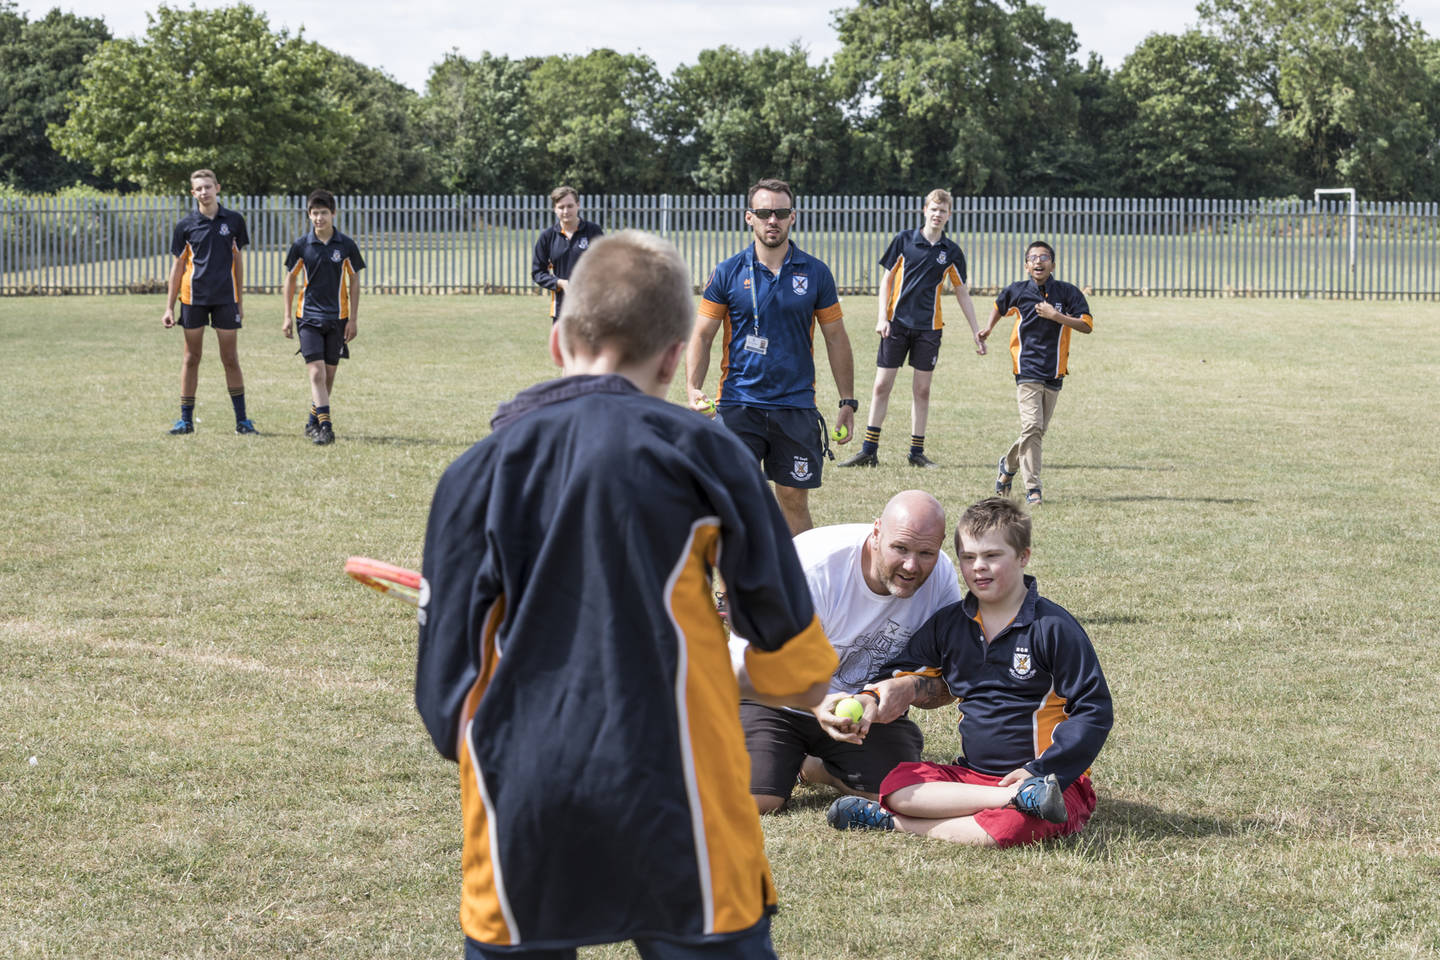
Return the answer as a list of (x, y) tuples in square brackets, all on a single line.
[(782, 213)]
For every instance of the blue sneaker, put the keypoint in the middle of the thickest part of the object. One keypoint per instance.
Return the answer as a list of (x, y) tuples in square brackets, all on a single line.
[(1003, 480), (857, 813), (1042, 797), (245, 426), (182, 426)]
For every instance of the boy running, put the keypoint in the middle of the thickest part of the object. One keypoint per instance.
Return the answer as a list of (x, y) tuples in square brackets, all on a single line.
[(324, 265), (1045, 311)]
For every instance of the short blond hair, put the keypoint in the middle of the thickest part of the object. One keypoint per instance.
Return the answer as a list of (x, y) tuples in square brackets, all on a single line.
[(204, 173), (632, 292), (939, 196)]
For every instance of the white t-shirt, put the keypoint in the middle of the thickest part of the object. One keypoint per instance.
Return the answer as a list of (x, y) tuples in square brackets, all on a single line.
[(865, 628)]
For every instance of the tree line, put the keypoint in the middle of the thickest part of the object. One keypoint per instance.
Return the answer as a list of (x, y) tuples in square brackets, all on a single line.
[(1265, 98)]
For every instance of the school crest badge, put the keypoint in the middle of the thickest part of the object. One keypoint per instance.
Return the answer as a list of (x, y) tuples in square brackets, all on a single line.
[(335, 255), (224, 229), (941, 257), (799, 285), (583, 243), (801, 468), (1021, 666)]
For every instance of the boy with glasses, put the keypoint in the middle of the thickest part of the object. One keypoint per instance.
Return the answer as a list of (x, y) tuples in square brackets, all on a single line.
[(1045, 311)]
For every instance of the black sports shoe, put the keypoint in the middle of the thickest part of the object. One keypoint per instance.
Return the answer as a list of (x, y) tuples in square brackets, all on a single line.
[(310, 427), (182, 426), (861, 459), (245, 426), (1042, 797), (324, 433), (857, 813), (920, 460)]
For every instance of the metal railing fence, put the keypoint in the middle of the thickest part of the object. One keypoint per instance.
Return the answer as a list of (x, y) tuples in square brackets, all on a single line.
[(483, 244)]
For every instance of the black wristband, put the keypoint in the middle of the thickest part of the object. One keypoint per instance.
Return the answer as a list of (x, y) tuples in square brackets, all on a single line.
[(851, 402)]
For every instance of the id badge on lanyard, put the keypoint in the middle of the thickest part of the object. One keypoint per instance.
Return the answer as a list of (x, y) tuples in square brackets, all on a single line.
[(755, 343)]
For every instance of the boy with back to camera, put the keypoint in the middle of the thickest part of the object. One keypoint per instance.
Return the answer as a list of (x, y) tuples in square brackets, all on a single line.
[(572, 662)]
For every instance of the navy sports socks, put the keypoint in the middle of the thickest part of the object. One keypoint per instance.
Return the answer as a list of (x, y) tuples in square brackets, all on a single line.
[(872, 440), (917, 443), (237, 400)]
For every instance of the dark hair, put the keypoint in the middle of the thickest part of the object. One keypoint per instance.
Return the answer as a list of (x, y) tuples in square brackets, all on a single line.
[(321, 198), (1043, 245), (996, 513), (561, 191), (771, 184)]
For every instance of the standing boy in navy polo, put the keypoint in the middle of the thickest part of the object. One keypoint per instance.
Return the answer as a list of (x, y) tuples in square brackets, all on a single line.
[(561, 245), (769, 297), (209, 280), (1045, 311), (917, 264), (325, 266)]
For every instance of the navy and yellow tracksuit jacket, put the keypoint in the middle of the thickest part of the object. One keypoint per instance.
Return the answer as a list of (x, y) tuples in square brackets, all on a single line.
[(572, 662), (1034, 697)]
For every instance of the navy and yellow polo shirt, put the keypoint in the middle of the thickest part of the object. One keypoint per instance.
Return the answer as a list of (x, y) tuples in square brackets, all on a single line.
[(324, 271), (789, 305), (1040, 348), (208, 245), (556, 254), (920, 268)]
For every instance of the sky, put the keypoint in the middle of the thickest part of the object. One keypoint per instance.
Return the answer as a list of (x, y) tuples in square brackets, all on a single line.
[(669, 32)]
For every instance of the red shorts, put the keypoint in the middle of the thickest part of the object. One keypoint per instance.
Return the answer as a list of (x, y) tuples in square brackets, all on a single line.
[(1007, 825)]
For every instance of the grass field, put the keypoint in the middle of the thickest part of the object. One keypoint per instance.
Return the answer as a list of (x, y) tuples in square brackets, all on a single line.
[(210, 747)]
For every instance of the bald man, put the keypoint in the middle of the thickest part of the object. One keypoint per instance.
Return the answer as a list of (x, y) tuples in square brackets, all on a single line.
[(872, 585)]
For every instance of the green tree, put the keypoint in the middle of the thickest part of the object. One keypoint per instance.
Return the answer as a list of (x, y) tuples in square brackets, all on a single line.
[(1342, 84), (735, 117), (594, 119), (209, 88), (970, 94), (476, 121), (1185, 132), (40, 63), (386, 154)]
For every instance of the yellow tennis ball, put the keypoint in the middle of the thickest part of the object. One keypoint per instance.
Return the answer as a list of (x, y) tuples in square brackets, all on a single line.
[(840, 432), (850, 708), (708, 406)]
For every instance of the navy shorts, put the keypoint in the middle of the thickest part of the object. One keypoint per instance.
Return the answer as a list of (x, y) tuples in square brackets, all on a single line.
[(325, 342), (922, 345), (779, 740), (789, 443), (221, 316)]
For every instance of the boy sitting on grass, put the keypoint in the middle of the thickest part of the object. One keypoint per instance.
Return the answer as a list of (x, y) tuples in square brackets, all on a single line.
[(1034, 706)]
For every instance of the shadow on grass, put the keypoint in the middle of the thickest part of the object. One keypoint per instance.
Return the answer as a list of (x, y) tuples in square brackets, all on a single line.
[(1124, 821), (403, 441), (1229, 501)]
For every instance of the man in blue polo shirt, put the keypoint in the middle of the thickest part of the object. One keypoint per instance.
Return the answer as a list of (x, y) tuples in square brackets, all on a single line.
[(561, 245), (324, 265), (769, 297), (1045, 311), (209, 280), (917, 263)]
